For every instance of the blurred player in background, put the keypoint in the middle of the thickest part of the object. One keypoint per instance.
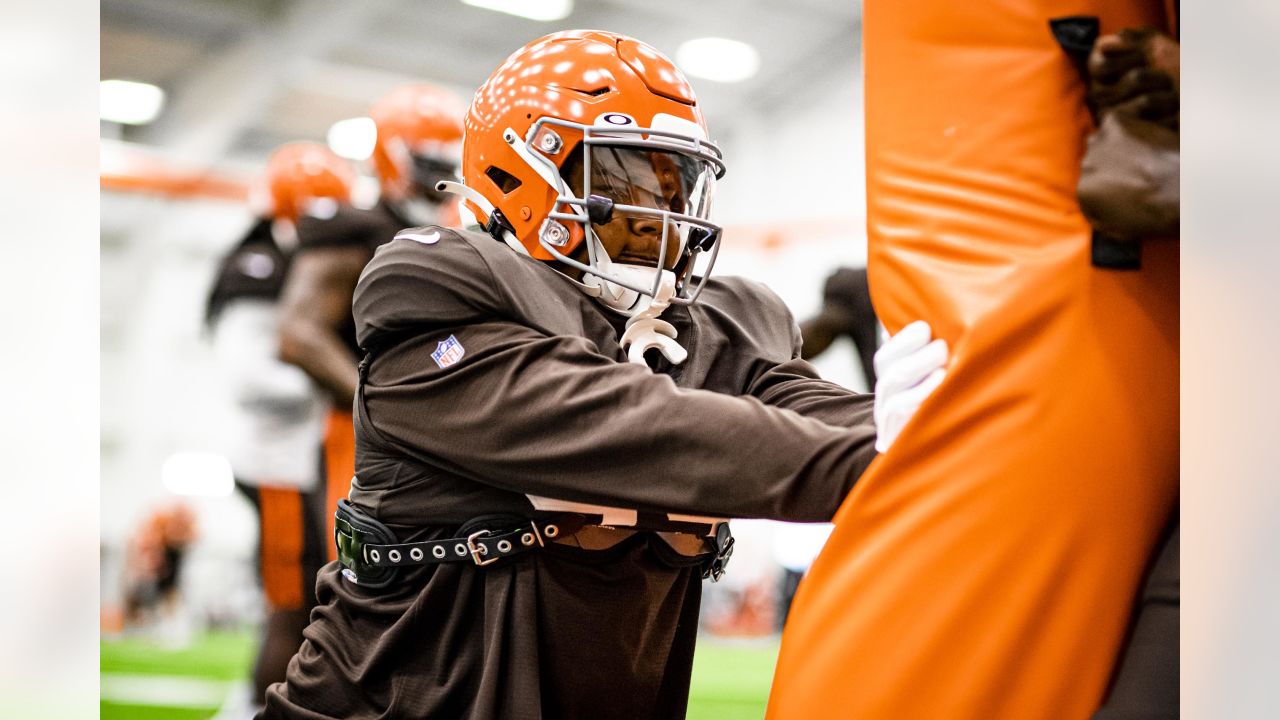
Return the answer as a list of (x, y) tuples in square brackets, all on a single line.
[(273, 437), (156, 552), (846, 312), (418, 144)]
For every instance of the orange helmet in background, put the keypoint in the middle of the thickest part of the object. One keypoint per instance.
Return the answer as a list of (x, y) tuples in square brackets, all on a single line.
[(298, 173), (600, 98), (419, 137)]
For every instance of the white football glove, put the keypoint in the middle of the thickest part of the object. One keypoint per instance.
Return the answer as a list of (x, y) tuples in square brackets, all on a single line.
[(908, 369)]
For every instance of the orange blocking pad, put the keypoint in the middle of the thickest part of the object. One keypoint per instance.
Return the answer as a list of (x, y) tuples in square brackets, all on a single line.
[(986, 566)]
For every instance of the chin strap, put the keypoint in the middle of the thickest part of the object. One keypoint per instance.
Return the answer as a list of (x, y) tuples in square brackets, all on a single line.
[(486, 207), (646, 332), (614, 296)]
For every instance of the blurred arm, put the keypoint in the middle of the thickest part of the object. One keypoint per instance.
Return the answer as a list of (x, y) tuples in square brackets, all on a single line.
[(315, 305)]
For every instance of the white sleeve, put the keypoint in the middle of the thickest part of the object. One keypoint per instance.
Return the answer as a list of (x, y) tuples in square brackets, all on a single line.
[(245, 343)]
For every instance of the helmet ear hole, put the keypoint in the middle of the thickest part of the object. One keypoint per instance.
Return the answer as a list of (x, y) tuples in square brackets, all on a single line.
[(505, 181), (571, 168)]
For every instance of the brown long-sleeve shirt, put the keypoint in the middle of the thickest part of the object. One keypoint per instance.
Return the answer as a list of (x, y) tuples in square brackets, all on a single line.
[(492, 377)]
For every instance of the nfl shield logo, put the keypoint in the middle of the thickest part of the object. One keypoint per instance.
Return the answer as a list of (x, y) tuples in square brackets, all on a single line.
[(448, 352)]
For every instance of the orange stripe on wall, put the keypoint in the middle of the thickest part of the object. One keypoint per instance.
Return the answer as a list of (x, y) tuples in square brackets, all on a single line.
[(176, 185), (129, 167)]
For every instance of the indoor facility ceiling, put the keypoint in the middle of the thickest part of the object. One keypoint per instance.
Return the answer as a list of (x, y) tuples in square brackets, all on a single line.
[(242, 76)]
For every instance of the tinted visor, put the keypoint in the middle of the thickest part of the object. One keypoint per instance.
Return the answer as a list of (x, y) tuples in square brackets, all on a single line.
[(655, 179)]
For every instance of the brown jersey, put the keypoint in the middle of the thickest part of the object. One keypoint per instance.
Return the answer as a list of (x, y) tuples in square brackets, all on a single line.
[(491, 376)]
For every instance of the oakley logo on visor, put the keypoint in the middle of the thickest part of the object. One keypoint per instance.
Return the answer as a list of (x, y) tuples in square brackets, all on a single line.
[(616, 119)]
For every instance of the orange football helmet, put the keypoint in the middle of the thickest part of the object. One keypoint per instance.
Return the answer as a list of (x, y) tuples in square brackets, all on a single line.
[(419, 134), (623, 113), (299, 173)]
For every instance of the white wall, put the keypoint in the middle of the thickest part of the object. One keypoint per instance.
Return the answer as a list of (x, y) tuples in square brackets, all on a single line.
[(158, 381), (794, 201), (799, 162)]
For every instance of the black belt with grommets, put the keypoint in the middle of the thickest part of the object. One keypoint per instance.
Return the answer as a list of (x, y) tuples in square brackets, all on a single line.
[(370, 554)]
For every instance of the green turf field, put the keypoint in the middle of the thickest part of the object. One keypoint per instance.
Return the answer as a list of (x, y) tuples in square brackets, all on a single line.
[(731, 679), (144, 681)]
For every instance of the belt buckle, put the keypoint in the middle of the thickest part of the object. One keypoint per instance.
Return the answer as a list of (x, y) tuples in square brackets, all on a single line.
[(723, 544), (536, 533), (478, 551)]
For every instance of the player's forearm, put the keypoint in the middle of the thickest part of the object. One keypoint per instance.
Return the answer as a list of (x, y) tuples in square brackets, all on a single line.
[(796, 386), (320, 352), (547, 416)]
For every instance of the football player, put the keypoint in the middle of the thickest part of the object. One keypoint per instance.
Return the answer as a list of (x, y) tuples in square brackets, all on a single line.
[(419, 134), (554, 413), (273, 436)]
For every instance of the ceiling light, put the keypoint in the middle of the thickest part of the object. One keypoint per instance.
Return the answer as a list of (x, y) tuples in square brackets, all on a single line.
[(205, 474), (544, 10), (353, 138), (128, 102), (718, 59)]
